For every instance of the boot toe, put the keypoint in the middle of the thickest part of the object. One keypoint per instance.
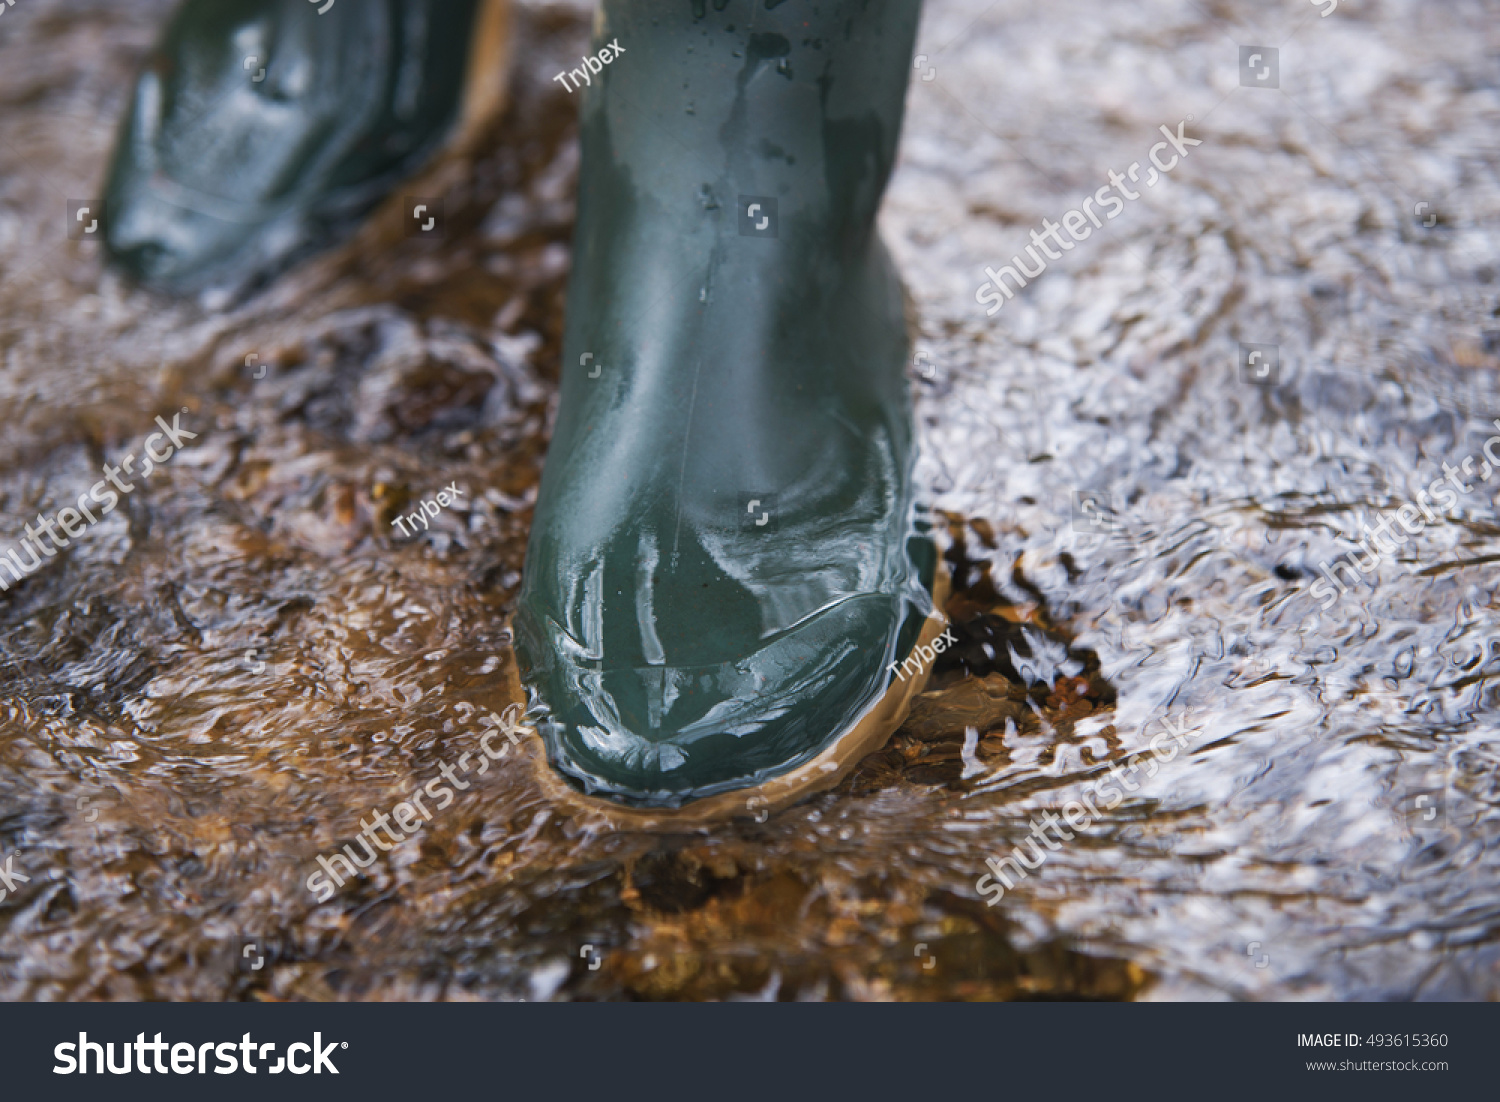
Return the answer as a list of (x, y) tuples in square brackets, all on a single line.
[(661, 735)]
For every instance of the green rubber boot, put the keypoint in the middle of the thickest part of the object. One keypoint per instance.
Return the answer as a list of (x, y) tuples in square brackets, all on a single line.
[(724, 574), (262, 129)]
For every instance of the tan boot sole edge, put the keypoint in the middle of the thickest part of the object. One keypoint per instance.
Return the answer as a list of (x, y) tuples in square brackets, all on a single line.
[(757, 803), (487, 83)]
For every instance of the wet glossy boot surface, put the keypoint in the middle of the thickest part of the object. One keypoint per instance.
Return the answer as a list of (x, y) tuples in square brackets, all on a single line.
[(261, 128), (720, 571)]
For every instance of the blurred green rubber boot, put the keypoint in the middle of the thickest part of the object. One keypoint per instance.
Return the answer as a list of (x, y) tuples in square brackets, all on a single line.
[(261, 130)]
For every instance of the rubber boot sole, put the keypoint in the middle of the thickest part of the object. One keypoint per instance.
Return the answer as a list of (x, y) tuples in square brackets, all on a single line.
[(757, 802), (487, 83)]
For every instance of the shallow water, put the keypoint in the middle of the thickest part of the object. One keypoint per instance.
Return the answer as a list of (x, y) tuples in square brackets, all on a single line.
[(221, 678)]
